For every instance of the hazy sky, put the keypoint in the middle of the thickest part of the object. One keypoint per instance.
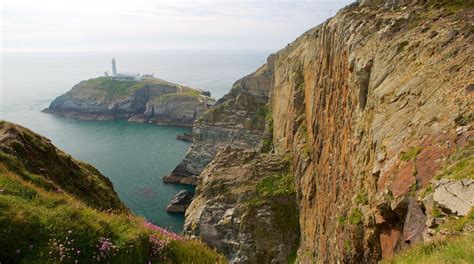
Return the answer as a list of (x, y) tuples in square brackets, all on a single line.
[(84, 25)]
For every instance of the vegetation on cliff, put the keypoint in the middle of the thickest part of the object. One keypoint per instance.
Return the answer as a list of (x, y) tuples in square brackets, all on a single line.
[(451, 250), (460, 166), (44, 219), (110, 89)]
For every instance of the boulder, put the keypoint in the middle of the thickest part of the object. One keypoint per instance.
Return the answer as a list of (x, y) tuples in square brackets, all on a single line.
[(180, 202), (456, 196)]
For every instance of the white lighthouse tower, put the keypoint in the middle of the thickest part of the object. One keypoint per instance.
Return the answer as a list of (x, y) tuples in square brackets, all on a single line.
[(114, 68)]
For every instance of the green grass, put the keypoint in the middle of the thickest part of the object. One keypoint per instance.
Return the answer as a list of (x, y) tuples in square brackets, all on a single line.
[(410, 154), (341, 219), (347, 245), (356, 216), (276, 184), (52, 206), (278, 192), (429, 189), (114, 88), (459, 166), (435, 212), (389, 196), (458, 224), (452, 6), (361, 198), (36, 160), (452, 250), (32, 218), (109, 89)]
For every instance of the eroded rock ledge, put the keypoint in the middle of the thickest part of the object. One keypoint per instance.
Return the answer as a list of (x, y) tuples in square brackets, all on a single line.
[(238, 211), (238, 119)]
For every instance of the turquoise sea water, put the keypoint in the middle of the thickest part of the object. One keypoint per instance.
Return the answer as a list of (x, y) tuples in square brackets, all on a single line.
[(134, 156)]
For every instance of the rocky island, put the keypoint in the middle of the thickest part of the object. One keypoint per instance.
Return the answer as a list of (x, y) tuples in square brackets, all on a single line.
[(133, 97)]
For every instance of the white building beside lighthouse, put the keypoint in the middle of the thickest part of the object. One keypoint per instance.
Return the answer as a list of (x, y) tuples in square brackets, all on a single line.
[(122, 76)]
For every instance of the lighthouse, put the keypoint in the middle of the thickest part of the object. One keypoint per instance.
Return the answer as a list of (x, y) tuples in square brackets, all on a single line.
[(114, 68)]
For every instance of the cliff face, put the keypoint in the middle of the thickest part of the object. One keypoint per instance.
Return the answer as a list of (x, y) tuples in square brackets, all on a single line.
[(238, 119), (149, 101), (369, 107), (240, 210), (370, 104)]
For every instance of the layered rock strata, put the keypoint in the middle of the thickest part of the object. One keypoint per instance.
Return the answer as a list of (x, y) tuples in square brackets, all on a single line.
[(238, 119), (368, 107), (239, 219)]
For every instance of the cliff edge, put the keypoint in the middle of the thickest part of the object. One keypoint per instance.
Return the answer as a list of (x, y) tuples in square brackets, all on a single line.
[(373, 111), (55, 209)]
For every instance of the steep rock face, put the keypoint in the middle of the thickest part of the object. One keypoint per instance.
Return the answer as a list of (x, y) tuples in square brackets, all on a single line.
[(369, 107), (149, 101), (232, 215), (370, 104), (238, 119)]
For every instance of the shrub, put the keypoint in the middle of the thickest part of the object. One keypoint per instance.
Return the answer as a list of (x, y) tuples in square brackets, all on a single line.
[(361, 198), (356, 216), (276, 184), (402, 45), (410, 154)]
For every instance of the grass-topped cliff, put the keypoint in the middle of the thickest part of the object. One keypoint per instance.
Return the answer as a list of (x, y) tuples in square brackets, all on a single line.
[(148, 100), (55, 209)]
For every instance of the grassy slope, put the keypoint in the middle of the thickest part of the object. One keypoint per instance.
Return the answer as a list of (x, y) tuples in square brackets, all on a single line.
[(107, 89), (35, 159), (40, 223), (452, 250), (460, 165)]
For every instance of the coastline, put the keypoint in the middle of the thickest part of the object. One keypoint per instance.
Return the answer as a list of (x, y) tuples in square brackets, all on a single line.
[(105, 117)]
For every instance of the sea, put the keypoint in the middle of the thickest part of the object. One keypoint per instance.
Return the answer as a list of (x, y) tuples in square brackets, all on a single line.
[(133, 156)]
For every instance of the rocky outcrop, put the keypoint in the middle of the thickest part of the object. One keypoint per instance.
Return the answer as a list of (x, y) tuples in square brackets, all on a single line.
[(456, 197), (368, 107), (234, 213), (188, 137), (147, 101), (180, 202), (238, 119)]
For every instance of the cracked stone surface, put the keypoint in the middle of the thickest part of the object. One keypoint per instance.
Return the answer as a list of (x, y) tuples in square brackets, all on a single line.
[(456, 196)]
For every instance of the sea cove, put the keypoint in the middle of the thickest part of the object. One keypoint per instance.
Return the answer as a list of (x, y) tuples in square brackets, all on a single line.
[(134, 156)]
